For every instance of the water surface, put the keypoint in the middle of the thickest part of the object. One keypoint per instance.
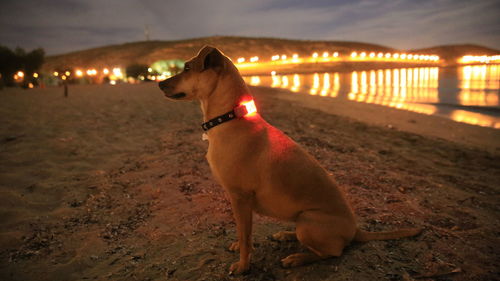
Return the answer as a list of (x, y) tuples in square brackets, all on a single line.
[(468, 94)]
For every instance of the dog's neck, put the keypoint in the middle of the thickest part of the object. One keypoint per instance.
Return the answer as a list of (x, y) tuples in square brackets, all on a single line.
[(225, 97)]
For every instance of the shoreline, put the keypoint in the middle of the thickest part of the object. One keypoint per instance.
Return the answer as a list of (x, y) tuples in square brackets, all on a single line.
[(427, 125)]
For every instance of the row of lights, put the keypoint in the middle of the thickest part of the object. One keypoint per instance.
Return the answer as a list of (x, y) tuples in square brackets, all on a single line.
[(326, 56), (479, 59), (20, 75), (395, 56), (90, 72), (115, 74)]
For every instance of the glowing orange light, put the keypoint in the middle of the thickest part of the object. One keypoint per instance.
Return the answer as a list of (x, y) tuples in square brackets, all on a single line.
[(250, 107)]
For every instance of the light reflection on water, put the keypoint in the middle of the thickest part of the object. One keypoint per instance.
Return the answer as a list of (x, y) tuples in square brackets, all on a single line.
[(461, 94)]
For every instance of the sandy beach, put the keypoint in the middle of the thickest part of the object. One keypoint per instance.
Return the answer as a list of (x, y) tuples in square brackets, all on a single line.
[(111, 183)]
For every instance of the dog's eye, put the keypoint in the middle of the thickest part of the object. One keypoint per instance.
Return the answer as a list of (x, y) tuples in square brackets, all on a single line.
[(186, 67)]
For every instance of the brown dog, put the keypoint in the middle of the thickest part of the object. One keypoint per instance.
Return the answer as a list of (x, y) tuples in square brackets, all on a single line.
[(263, 170)]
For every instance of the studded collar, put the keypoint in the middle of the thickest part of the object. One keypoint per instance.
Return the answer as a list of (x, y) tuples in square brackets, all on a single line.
[(240, 111)]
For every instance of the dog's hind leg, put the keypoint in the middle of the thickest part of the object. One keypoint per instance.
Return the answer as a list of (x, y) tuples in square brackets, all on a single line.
[(323, 234)]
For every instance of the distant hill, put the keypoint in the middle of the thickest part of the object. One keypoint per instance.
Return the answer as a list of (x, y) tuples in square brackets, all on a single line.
[(150, 51)]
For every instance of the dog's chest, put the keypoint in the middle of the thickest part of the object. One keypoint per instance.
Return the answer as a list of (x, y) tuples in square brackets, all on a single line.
[(229, 161)]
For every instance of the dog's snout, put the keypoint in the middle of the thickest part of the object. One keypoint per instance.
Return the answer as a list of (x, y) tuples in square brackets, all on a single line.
[(163, 85), (167, 87)]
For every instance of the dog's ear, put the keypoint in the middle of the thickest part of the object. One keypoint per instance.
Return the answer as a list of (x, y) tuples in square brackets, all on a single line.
[(214, 59)]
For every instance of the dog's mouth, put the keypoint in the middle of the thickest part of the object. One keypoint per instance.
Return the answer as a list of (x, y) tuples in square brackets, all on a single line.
[(176, 96), (167, 90)]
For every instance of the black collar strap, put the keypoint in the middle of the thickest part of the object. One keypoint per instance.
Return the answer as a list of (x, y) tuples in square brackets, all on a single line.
[(237, 112)]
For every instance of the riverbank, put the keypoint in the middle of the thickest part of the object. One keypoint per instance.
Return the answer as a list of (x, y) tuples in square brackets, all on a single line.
[(111, 184)]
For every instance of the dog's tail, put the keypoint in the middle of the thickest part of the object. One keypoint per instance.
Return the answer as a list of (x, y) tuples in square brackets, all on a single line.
[(365, 236)]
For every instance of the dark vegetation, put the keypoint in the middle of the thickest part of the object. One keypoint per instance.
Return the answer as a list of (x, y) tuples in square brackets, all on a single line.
[(12, 61)]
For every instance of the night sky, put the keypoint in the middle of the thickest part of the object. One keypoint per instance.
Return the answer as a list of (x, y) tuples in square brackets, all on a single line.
[(63, 26)]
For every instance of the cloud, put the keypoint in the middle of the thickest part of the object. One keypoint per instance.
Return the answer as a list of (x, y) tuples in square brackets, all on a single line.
[(61, 26), (425, 23)]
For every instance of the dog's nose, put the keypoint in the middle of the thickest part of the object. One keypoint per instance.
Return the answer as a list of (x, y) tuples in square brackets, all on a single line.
[(163, 84)]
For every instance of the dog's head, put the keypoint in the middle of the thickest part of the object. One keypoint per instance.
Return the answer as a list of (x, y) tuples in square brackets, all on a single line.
[(199, 77)]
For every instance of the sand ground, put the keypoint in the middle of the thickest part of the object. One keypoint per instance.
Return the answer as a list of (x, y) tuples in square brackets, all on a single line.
[(111, 184)]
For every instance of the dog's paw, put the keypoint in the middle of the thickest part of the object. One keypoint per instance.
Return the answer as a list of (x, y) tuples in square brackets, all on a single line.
[(234, 247), (239, 268), (293, 260), (284, 236)]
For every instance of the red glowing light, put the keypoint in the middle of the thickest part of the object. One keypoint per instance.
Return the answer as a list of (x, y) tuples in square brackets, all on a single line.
[(250, 107)]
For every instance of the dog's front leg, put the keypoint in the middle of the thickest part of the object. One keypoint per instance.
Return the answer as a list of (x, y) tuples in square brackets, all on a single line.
[(242, 211)]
